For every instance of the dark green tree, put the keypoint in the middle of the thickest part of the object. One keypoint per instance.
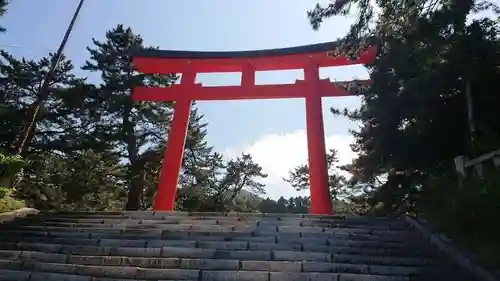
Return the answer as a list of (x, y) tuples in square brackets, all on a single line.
[(225, 180), (58, 170), (414, 116), (3, 9), (133, 128), (294, 205), (60, 126), (19, 91), (392, 18), (222, 185), (80, 180)]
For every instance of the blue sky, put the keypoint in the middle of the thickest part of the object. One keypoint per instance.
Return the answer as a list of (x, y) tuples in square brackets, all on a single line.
[(272, 130)]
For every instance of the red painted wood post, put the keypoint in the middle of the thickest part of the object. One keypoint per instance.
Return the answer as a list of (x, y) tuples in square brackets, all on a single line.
[(321, 202), (248, 77), (172, 160)]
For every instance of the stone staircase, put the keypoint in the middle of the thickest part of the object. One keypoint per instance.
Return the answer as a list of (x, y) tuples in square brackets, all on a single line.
[(217, 247)]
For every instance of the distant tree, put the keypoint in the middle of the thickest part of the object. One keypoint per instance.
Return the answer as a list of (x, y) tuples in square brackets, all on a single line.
[(299, 176), (268, 205), (295, 205), (223, 181)]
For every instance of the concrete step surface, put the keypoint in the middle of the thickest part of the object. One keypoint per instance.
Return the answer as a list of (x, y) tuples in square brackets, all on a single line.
[(113, 246)]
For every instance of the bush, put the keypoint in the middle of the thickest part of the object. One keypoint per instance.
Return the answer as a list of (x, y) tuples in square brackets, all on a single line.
[(3, 192), (10, 165), (467, 213), (9, 203)]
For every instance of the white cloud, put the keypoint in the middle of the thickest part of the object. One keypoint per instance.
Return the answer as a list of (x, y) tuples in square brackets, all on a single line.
[(277, 154)]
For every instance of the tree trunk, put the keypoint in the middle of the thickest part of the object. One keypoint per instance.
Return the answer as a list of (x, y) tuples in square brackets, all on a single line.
[(135, 190), (136, 181)]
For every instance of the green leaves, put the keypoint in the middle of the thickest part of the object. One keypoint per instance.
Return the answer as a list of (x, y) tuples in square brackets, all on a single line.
[(134, 128), (10, 165), (3, 9), (94, 148), (299, 176), (413, 118), (219, 185)]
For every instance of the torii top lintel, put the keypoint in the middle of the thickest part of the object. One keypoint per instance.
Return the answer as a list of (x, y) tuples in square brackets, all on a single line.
[(165, 61)]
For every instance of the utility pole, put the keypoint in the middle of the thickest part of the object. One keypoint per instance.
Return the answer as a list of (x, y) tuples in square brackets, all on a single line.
[(43, 91)]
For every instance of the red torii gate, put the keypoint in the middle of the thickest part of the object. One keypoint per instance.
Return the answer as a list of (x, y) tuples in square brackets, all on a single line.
[(312, 89)]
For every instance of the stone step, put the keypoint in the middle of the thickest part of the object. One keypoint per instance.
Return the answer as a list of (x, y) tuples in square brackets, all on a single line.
[(154, 237), (205, 228), (212, 236), (212, 264), (256, 270), (213, 227), (318, 238), (118, 246), (208, 276), (297, 243), (103, 271), (259, 251), (255, 231), (209, 263), (15, 275), (246, 216), (165, 223), (207, 216), (56, 226), (174, 218)]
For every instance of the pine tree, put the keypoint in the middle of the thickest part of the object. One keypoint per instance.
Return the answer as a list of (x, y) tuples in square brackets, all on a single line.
[(19, 91), (134, 128), (299, 176), (21, 80), (66, 134), (3, 9)]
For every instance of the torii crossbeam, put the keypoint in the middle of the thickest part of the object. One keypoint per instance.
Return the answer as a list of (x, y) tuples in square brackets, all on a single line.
[(309, 58)]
